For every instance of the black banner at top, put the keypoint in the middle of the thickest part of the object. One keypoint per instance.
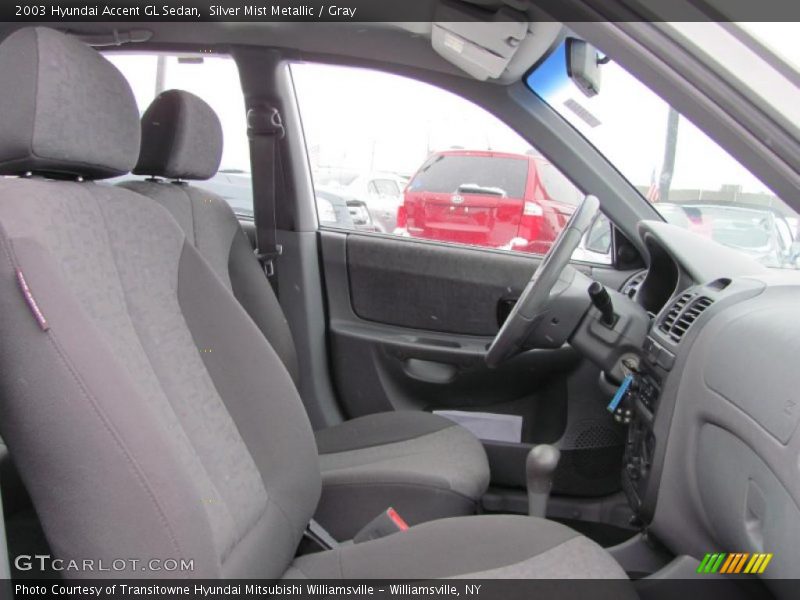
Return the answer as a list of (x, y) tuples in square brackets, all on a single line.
[(396, 10)]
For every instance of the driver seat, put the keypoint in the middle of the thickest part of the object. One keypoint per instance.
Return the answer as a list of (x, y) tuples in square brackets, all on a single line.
[(133, 382), (423, 465)]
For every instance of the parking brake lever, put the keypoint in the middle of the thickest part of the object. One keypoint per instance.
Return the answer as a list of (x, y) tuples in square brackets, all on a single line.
[(602, 302)]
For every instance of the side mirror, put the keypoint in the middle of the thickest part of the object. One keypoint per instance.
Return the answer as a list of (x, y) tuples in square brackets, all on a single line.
[(583, 66)]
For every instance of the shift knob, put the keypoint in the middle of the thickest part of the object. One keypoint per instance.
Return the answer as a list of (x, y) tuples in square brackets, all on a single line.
[(539, 469)]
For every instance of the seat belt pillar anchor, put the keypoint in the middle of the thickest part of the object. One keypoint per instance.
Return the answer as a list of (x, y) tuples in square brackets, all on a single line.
[(265, 120)]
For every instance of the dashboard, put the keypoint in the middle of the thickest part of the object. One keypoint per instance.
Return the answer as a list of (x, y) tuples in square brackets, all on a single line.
[(712, 458)]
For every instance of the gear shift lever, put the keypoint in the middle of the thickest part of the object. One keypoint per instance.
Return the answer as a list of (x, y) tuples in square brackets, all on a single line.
[(539, 468)]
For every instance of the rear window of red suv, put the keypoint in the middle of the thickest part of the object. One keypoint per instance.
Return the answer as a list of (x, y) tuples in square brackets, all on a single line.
[(445, 173)]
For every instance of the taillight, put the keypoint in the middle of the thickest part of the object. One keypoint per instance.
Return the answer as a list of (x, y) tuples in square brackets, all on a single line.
[(401, 216), (530, 224)]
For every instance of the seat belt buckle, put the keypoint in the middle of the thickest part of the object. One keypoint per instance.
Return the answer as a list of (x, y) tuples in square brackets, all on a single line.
[(265, 120), (267, 259), (317, 534), (386, 523)]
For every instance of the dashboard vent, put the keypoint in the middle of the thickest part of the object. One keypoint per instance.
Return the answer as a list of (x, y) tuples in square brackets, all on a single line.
[(682, 314), (633, 284)]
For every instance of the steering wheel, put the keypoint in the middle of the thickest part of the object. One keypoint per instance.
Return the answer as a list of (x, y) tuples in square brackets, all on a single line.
[(533, 302)]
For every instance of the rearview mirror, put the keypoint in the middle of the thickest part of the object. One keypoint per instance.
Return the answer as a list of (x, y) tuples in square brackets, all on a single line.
[(583, 66)]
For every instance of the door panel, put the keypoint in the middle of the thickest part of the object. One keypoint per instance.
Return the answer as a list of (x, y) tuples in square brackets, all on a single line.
[(432, 286), (410, 322)]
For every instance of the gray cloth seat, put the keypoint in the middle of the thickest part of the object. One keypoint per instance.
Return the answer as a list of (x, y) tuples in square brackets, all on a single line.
[(424, 466), (482, 547), (147, 414)]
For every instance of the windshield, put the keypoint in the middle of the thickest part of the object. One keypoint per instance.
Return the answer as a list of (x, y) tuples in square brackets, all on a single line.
[(688, 178)]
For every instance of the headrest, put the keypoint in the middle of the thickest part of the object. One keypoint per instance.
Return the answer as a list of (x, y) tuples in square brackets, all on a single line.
[(181, 138), (64, 109)]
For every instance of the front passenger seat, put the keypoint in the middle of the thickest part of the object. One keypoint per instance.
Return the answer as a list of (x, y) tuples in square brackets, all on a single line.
[(132, 438), (423, 465)]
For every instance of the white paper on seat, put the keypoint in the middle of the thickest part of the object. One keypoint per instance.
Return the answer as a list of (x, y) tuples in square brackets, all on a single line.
[(487, 426)]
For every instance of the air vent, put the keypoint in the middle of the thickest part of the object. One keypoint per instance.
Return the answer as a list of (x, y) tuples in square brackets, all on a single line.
[(674, 312), (632, 285), (683, 312)]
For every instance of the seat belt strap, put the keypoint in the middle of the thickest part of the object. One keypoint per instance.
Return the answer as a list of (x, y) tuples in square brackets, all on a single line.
[(316, 533), (264, 130)]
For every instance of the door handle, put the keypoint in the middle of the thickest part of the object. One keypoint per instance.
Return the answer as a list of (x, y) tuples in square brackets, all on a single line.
[(504, 308), (429, 371)]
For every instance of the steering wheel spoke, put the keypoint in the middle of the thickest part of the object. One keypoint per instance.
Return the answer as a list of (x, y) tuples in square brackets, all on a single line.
[(538, 307)]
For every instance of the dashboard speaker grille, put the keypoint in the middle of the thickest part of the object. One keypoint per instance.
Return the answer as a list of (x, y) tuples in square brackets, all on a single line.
[(596, 436)]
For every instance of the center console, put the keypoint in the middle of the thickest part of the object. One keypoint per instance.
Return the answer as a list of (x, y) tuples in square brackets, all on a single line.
[(641, 403)]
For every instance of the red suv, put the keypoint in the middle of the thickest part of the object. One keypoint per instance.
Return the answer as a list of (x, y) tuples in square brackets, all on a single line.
[(495, 199)]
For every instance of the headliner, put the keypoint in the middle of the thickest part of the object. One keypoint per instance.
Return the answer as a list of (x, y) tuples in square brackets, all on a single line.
[(405, 44)]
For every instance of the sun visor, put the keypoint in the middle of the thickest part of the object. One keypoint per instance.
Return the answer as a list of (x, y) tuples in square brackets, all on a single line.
[(478, 41)]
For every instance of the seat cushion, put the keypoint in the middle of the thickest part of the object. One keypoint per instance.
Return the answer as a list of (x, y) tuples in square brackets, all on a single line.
[(128, 369), (486, 547), (423, 465), (211, 226)]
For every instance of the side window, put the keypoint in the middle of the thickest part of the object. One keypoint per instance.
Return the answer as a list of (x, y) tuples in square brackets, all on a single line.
[(216, 80), (393, 155), (557, 186)]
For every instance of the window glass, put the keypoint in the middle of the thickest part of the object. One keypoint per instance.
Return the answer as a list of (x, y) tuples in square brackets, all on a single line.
[(215, 80), (781, 38), (557, 185), (384, 187), (596, 244), (410, 159), (690, 180)]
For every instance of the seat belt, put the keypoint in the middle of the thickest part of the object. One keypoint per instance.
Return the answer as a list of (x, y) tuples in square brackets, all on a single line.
[(264, 130)]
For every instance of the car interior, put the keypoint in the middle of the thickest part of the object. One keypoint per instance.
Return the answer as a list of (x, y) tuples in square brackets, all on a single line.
[(276, 397)]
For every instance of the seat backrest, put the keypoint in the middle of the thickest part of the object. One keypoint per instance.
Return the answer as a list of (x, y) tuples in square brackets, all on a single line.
[(182, 141), (147, 415)]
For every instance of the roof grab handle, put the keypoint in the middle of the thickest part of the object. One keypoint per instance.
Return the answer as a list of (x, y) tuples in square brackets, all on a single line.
[(116, 37)]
